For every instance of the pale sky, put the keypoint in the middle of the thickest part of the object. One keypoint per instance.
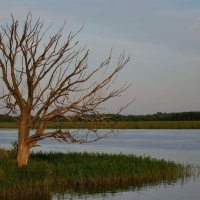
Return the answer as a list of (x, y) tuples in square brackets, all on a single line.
[(162, 37)]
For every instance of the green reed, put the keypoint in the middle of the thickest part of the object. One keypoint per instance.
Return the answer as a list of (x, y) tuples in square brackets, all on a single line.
[(83, 167), (60, 170)]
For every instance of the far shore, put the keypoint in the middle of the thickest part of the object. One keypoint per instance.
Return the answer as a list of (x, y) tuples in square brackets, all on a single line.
[(116, 125)]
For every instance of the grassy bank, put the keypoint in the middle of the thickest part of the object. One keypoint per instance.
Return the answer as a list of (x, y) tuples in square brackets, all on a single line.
[(118, 125), (75, 170)]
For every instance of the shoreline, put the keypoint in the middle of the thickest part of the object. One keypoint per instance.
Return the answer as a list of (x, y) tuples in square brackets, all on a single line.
[(116, 125), (83, 170)]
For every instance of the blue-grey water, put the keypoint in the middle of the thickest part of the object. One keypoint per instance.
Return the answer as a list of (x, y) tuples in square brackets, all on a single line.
[(178, 145)]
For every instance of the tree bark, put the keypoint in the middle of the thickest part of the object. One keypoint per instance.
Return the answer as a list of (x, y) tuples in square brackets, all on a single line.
[(23, 146), (23, 154)]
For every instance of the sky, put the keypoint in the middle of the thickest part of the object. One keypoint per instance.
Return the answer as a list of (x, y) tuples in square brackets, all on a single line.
[(161, 36)]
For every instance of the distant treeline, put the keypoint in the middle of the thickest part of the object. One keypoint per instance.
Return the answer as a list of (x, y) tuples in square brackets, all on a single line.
[(181, 116), (5, 118)]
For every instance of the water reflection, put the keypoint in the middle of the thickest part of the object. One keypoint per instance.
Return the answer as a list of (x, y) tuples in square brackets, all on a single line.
[(60, 192), (180, 190)]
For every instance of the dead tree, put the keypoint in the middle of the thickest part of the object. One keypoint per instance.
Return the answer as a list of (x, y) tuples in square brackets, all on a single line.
[(43, 78)]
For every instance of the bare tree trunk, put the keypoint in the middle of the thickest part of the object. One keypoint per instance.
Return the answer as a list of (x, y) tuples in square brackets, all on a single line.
[(23, 154), (23, 146)]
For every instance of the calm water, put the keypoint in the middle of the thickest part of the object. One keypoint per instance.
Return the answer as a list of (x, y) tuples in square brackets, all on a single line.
[(177, 145)]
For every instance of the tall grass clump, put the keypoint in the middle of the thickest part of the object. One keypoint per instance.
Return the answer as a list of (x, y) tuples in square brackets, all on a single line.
[(48, 171)]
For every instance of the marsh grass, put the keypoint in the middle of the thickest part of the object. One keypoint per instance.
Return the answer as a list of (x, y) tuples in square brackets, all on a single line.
[(117, 125), (47, 172)]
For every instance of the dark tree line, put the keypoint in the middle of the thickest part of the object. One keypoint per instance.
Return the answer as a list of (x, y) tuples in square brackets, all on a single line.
[(181, 116)]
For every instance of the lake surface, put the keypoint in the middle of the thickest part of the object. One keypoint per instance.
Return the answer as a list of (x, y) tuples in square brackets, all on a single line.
[(177, 145)]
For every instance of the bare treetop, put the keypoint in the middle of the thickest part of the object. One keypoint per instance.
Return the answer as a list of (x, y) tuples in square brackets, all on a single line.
[(43, 79)]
